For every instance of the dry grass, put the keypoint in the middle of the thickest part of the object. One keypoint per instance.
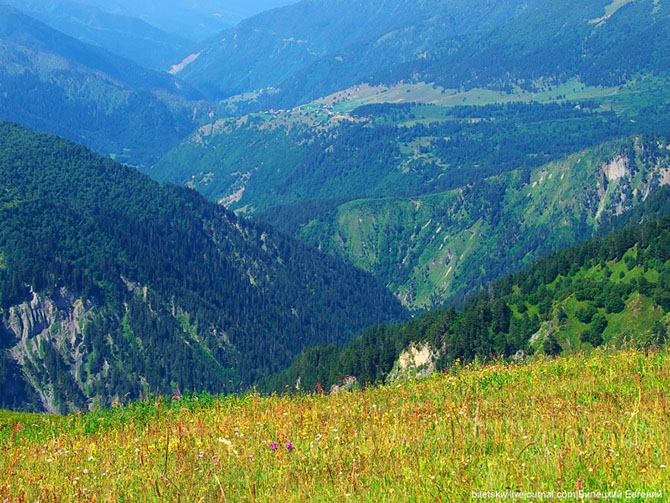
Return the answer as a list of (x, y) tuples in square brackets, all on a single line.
[(600, 423)]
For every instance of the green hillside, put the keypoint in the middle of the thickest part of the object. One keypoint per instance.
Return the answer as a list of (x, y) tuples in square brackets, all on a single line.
[(599, 42), (433, 200), (613, 290), (262, 161), (272, 61), (113, 286), (442, 246)]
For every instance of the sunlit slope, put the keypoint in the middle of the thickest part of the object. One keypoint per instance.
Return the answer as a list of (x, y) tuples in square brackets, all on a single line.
[(427, 249), (612, 290), (597, 422)]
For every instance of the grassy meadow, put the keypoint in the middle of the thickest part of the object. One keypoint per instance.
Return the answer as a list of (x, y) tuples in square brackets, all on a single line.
[(598, 423)]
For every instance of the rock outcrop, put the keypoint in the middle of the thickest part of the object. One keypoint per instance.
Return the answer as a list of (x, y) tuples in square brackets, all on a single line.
[(417, 362), (55, 320)]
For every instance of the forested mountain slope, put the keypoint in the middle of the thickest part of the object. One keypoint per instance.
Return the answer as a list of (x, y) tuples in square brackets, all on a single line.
[(433, 200), (112, 285), (442, 246), (613, 290), (52, 82), (316, 47), (509, 46), (599, 42), (263, 161)]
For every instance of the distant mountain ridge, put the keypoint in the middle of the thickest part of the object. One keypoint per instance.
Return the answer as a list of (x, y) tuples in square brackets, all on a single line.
[(185, 18), (26, 31), (316, 47), (52, 82), (599, 42), (112, 286), (125, 36)]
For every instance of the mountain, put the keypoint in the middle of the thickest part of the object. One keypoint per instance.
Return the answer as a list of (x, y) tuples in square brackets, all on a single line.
[(267, 160), (508, 46), (598, 42), (316, 47), (418, 173), (17, 28), (185, 18), (52, 82), (613, 290), (433, 200), (125, 36), (441, 246), (113, 286)]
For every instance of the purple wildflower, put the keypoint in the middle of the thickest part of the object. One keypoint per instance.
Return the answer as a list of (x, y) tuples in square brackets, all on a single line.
[(289, 446), (274, 446)]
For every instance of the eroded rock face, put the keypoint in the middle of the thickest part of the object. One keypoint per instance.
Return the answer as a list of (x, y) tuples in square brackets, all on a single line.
[(417, 362), (618, 168), (625, 182), (55, 320), (347, 384), (31, 319)]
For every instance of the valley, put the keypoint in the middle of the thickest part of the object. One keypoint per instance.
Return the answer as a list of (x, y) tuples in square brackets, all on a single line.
[(611, 291), (445, 239), (52, 82), (428, 196), (113, 286), (299, 197), (334, 250)]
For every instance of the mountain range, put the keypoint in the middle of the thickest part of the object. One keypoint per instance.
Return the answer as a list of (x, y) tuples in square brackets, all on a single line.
[(52, 82), (182, 19), (613, 290), (113, 286), (601, 43), (362, 160), (316, 47), (125, 36), (311, 49), (433, 200), (359, 168)]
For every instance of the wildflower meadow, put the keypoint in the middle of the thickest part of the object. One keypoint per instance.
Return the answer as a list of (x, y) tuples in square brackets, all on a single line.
[(567, 429)]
